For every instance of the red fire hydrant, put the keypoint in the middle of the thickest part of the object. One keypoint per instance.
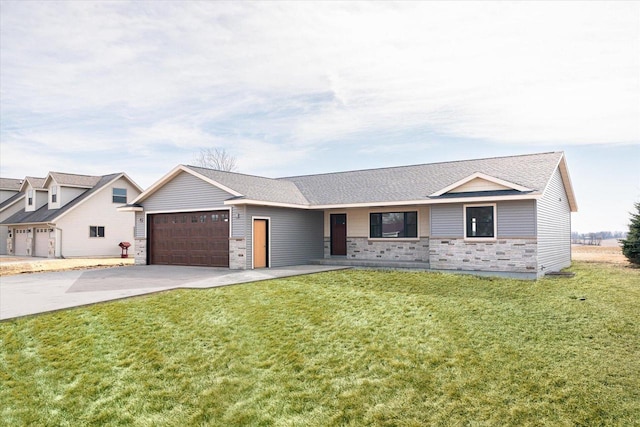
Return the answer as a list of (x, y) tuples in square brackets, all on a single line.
[(125, 249)]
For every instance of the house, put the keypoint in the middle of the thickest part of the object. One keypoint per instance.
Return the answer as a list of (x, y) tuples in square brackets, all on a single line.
[(10, 203), (68, 215), (497, 216)]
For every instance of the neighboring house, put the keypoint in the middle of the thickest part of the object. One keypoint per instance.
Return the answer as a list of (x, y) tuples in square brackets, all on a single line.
[(67, 215), (10, 203), (505, 216)]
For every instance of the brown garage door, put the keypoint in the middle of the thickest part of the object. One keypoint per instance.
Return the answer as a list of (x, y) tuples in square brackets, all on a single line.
[(193, 238)]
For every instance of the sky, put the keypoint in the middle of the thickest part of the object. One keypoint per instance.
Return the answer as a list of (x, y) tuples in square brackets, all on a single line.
[(292, 88)]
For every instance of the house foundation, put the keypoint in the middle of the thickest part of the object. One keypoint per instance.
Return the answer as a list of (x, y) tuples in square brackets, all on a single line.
[(237, 253), (502, 255)]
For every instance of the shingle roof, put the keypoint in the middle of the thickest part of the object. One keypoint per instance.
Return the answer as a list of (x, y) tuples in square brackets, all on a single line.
[(44, 214), (10, 184), (406, 183), (256, 187), (73, 180), (37, 183), (412, 184)]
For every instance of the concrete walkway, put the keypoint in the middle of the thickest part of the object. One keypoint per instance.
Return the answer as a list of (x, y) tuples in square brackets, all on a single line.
[(27, 294)]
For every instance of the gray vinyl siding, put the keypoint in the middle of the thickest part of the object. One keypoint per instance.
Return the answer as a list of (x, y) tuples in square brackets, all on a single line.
[(554, 227), (296, 236), (187, 193), (238, 221), (447, 221), (517, 218), (139, 229)]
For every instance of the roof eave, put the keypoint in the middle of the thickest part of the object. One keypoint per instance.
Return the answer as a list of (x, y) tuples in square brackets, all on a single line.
[(242, 201), (17, 200), (566, 182), (529, 196), (483, 176)]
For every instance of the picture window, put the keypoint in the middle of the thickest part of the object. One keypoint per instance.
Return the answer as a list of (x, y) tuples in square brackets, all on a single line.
[(393, 225), (480, 222)]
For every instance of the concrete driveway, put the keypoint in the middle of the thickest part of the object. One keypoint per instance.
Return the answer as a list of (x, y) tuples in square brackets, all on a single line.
[(26, 294)]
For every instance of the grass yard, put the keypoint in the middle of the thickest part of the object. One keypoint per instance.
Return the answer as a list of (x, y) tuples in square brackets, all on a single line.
[(340, 348)]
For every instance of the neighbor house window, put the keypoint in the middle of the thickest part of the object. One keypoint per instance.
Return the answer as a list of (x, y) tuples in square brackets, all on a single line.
[(119, 195), (391, 225), (96, 231), (30, 197), (480, 222), (54, 194)]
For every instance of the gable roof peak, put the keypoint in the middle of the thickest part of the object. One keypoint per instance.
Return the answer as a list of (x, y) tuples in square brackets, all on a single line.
[(34, 182), (73, 180)]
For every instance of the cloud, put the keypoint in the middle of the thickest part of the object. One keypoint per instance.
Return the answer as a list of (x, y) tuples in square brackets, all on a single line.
[(288, 77)]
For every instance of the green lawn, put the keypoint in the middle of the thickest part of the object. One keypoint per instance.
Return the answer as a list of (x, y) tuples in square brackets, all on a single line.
[(340, 348)]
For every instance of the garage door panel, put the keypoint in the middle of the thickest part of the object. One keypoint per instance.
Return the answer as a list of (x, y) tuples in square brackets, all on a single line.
[(42, 242), (193, 238), (20, 242)]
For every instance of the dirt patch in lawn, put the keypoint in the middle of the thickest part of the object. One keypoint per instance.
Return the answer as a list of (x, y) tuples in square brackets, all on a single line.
[(606, 254), (15, 265)]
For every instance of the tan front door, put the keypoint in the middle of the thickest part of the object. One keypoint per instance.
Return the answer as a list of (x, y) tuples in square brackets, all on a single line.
[(260, 243)]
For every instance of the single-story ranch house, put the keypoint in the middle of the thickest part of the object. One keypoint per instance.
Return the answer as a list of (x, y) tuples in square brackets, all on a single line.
[(504, 216), (68, 215)]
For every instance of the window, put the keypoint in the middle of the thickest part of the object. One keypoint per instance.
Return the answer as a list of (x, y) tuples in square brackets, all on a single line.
[(54, 194), (96, 231), (480, 222), (119, 195), (391, 225), (30, 197)]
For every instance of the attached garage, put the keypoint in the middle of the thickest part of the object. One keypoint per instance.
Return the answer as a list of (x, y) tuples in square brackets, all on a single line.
[(21, 235), (189, 238), (42, 242)]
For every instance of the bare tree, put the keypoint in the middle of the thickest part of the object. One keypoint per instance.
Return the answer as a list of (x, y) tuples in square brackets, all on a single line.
[(216, 158)]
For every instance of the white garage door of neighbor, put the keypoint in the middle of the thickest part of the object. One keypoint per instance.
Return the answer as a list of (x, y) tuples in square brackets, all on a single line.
[(42, 242), (21, 242), (4, 233)]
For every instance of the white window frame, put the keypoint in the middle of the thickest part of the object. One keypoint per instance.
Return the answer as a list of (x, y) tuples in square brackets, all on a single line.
[(113, 195), (30, 197), (54, 194), (495, 222)]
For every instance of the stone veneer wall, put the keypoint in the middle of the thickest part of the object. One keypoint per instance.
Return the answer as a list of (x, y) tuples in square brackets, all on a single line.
[(503, 255), (237, 253), (361, 248), (140, 253)]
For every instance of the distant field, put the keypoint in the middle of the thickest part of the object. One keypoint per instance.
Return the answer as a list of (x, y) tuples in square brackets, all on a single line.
[(609, 252)]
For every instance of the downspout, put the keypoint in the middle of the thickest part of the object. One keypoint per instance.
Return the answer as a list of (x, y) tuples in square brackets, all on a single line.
[(60, 242)]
